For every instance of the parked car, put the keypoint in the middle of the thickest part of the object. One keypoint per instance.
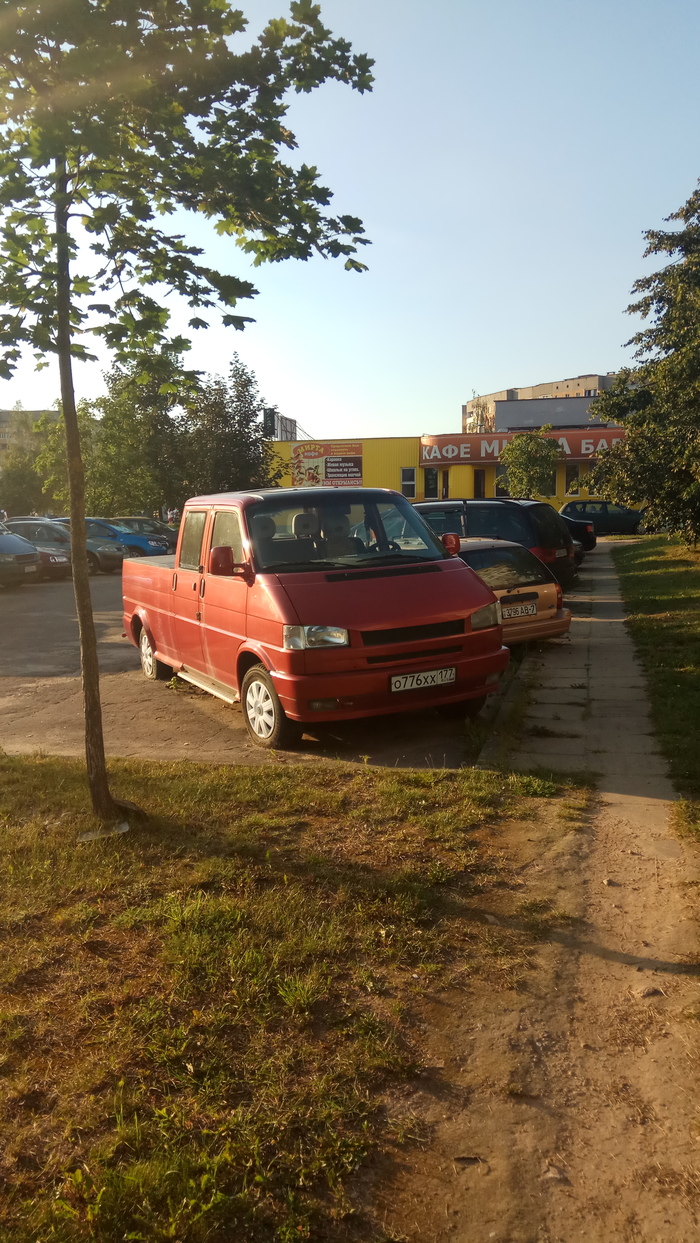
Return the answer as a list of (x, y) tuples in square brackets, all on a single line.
[(584, 532), (51, 542), (148, 526), (299, 602), (136, 545), (534, 524), (606, 518), (19, 560), (530, 596), (102, 553)]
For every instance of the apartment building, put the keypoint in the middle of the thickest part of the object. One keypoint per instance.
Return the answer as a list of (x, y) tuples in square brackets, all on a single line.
[(497, 411)]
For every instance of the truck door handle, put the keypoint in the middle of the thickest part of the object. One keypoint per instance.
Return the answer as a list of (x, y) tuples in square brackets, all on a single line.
[(174, 582), (202, 586)]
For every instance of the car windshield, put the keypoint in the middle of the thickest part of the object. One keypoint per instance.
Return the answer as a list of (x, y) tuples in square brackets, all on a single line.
[(351, 530), (502, 569)]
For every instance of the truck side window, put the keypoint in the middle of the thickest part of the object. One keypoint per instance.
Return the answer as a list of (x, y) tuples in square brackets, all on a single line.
[(191, 543), (227, 532)]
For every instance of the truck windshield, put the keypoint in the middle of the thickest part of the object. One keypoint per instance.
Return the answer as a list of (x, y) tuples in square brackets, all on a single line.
[(338, 532)]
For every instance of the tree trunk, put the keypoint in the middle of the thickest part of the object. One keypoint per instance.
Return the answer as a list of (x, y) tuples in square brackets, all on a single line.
[(102, 801)]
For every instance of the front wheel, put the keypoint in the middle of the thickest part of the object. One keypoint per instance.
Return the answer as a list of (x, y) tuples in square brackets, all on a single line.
[(93, 564), (264, 716), (152, 668)]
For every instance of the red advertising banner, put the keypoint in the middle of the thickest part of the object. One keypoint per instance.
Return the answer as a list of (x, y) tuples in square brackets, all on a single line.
[(337, 464), (576, 445)]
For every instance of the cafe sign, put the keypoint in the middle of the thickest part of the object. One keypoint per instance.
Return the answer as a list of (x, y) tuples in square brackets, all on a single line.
[(576, 445)]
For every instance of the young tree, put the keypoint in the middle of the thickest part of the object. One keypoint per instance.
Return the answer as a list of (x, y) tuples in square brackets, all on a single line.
[(227, 450), (658, 402), (113, 116), (530, 458)]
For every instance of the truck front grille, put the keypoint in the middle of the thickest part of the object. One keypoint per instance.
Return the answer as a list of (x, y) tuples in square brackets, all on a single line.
[(411, 634)]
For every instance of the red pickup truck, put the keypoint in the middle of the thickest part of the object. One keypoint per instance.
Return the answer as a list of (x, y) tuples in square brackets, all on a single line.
[(315, 604)]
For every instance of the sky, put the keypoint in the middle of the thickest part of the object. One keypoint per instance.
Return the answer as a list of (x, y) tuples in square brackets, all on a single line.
[(505, 166)]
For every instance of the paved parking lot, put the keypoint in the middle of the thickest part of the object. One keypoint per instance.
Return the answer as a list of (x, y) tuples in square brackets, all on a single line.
[(41, 702)]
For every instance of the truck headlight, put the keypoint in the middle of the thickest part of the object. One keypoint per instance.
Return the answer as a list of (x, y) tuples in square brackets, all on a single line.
[(296, 638), (490, 615), (6, 557)]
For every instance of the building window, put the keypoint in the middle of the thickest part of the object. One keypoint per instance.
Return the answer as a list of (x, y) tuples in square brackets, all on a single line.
[(572, 479), (431, 484), (479, 484), (502, 481), (552, 484), (408, 482)]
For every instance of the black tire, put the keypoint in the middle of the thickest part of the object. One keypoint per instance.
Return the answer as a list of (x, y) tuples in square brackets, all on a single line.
[(151, 667), (264, 716), (93, 564), (135, 551), (110, 569)]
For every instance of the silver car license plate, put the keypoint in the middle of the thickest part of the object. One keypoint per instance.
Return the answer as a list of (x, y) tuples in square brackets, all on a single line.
[(519, 610), (30, 569), (562, 552), (417, 681)]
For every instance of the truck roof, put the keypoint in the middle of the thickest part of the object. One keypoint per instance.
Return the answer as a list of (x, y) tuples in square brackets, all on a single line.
[(261, 494)]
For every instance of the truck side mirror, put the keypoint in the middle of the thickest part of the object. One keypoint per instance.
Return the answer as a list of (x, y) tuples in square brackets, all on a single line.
[(451, 543), (221, 562)]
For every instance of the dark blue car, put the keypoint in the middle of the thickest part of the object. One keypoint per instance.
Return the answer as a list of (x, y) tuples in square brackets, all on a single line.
[(136, 544), (19, 560)]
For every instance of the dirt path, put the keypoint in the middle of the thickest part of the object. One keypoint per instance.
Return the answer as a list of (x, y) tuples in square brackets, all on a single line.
[(569, 1109)]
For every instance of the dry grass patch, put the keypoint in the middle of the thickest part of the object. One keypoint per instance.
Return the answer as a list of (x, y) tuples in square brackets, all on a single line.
[(199, 1020)]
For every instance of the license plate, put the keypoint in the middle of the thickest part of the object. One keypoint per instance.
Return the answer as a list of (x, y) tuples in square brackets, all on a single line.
[(561, 552), (417, 681), (519, 610), (30, 569)]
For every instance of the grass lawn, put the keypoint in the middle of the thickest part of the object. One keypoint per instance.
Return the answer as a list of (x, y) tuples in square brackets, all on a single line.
[(660, 581), (199, 1019)]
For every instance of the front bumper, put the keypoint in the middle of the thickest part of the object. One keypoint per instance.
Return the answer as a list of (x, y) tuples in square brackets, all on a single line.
[(367, 692), (522, 631), (110, 560), (12, 574)]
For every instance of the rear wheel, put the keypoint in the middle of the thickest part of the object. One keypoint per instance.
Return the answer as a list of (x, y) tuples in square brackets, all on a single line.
[(264, 716), (152, 668)]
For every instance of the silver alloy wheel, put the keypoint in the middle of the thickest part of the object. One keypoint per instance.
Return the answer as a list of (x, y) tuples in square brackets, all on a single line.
[(147, 657), (260, 709)]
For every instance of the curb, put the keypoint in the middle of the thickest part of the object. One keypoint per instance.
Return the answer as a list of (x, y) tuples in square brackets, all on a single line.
[(493, 752)]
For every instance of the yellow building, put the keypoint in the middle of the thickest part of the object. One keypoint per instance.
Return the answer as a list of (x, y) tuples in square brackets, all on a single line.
[(436, 467)]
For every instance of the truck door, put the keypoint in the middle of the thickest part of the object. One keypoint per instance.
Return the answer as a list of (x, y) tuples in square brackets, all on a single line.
[(186, 589), (224, 603)]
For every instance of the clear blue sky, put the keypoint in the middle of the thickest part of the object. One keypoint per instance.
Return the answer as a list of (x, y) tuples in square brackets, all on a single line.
[(505, 166)]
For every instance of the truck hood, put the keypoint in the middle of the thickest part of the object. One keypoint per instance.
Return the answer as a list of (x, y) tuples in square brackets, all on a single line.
[(385, 598)]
